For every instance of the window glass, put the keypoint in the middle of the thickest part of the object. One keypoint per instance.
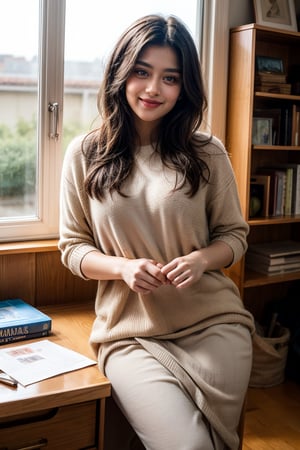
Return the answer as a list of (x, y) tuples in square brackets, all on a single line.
[(18, 108), (90, 35)]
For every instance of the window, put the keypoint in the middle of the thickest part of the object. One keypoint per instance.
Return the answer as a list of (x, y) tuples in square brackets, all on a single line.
[(31, 62), (50, 70)]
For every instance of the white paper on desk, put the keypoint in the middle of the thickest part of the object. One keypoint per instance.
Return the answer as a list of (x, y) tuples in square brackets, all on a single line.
[(30, 363)]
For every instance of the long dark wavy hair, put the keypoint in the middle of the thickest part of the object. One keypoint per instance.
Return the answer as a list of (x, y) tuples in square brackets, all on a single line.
[(110, 149)]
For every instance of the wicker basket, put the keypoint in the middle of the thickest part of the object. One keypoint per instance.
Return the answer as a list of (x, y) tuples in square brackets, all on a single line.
[(269, 359)]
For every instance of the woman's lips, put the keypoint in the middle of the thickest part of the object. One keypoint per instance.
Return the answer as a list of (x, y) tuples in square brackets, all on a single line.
[(148, 103)]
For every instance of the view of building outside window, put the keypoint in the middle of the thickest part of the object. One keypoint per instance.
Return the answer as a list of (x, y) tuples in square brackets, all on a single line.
[(18, 112), (92, 27)]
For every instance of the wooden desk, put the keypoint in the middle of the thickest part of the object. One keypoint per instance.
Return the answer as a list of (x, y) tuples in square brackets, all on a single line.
[(63, 412)]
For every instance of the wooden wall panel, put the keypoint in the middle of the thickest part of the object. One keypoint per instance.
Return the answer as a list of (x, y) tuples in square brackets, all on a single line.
[(40, 278), (57, 285), (17, 277)]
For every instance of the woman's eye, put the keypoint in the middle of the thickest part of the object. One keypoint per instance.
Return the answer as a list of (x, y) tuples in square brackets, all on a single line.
[(171, 79), (140, 72)]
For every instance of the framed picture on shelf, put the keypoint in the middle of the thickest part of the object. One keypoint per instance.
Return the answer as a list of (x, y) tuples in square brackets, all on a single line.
[(262, 131), (269, 64), (276, 14), (259, 196), (275, 115)]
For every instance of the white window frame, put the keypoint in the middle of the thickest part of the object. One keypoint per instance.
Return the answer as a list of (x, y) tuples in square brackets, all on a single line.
[(51, 63)]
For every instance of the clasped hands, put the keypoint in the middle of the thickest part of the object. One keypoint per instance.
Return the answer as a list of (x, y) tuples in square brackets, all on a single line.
[(145, 275)]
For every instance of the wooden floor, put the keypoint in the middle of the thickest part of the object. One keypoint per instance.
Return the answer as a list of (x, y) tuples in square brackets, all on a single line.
[(273, 418)]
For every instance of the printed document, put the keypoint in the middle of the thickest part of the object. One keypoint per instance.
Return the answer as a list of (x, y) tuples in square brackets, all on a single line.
[(30, 363)]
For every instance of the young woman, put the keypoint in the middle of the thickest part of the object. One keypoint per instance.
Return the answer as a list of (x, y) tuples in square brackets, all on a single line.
[(149, 207)]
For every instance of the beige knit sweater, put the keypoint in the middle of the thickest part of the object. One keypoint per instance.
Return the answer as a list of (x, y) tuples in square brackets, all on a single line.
[(154, 222)]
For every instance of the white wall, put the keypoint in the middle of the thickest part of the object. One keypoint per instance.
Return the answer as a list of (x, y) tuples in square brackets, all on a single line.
[(240, 13)]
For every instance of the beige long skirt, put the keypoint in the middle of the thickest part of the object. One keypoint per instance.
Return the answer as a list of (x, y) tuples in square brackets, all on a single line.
[(186, 393)]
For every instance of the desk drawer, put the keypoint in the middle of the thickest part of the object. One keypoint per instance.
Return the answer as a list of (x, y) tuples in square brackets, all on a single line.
[(71, 427)]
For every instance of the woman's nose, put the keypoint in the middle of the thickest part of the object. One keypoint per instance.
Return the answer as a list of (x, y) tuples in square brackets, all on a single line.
[(152, 88)]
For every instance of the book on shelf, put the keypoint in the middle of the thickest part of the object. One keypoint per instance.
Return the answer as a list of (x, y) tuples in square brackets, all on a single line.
[(281, 191), (293, 186), (272, 82), (270, 77), (295, 138), (272, 191), (287, 195), (274, 88), (276, 249), (276, 190), (274, 258), (20, 320), (273, 270), (286, 125), (296, 190), (284, 189), (257, 258)]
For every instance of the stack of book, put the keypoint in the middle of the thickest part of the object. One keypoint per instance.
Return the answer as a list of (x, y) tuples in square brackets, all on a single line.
[(20, 320), (282, 189), (274, 258), (272, 82)]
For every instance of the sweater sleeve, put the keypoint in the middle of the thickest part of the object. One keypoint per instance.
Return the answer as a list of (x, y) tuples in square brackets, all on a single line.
[(225, 219), (76, 237)]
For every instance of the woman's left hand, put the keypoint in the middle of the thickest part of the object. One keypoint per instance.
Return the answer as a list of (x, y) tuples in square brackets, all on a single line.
[(185, 270)]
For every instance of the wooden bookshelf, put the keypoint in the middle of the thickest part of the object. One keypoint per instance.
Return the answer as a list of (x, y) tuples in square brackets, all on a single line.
[(244, 100)]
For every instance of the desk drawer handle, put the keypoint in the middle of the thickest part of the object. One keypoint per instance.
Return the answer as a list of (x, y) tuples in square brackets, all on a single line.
[(24, 420), (35, 446)]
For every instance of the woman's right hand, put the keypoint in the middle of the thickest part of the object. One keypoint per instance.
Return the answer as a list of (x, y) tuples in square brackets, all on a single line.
[(143, 275)]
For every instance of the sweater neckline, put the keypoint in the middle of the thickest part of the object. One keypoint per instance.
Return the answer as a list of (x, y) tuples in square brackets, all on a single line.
[(145, 151)]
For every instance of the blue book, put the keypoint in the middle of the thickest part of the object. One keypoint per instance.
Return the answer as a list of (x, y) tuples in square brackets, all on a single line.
[(23, 337), (19, 320)]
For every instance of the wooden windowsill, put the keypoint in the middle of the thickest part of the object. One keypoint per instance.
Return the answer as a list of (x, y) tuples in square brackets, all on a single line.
[(47, 245)]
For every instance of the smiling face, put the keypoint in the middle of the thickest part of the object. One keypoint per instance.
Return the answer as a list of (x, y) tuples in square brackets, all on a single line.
[(153, 88)]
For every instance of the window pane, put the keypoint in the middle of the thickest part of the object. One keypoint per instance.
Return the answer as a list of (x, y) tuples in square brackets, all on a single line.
[(92, 27), (18, 109)]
